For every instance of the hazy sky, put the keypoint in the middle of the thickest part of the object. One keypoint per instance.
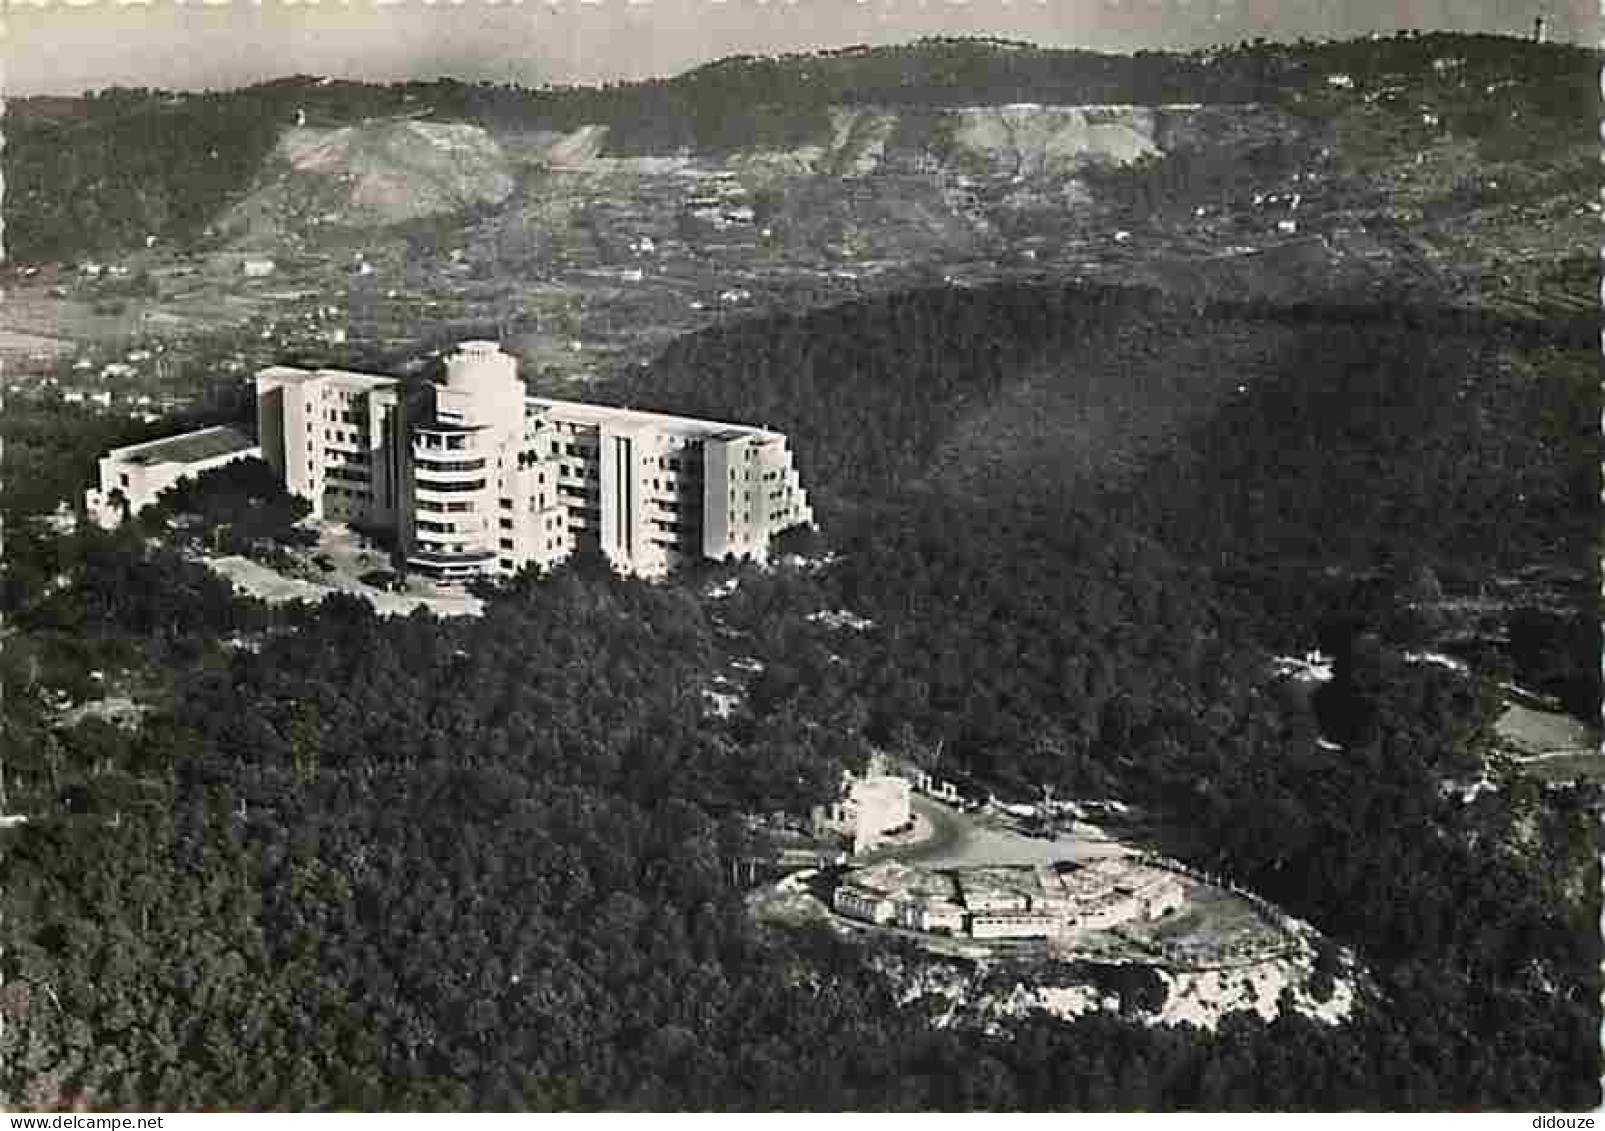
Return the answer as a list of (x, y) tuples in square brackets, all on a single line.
[(61, 46)]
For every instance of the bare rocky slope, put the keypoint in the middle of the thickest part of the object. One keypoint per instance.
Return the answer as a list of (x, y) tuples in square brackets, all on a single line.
[(372, 174), (380, 173)]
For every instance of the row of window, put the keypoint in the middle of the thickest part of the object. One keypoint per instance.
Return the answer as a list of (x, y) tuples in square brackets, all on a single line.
[(444, 548), (447, 486), (450, 464)]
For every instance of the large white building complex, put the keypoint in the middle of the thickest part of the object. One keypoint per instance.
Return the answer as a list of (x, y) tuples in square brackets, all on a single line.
[(491, 480), (1025, 902)]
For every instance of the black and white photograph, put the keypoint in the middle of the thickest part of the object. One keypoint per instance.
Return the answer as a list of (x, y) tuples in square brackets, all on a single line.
[(850, 556)]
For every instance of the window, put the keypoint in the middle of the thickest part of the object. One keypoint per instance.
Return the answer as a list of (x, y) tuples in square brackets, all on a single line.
[(124, 478), (506, 543), (506, 524)]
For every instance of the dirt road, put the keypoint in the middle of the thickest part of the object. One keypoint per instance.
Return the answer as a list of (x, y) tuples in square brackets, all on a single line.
[(960, 841)]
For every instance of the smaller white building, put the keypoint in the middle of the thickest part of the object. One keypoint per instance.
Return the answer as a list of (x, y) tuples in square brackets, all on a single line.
[(141, 472), (258, 268), (902, 895)]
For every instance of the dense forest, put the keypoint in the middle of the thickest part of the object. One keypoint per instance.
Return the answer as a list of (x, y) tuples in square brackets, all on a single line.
[(99, 174), (359, 861)]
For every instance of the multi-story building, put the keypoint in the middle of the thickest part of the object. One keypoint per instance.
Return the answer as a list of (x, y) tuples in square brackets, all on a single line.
[(334, 438), (491, 480)]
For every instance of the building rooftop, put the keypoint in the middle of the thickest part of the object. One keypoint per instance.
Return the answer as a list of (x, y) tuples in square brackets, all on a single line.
[(579, 412), (291, 374), (1002, 881), (1098, 877), (450, 426), (904, 881), (187, 447)]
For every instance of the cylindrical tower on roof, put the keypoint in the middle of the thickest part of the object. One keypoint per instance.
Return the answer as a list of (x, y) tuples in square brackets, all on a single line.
[(480, 365)]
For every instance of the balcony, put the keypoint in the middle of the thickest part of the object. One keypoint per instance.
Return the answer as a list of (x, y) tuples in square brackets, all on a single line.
[(434, 465), (430, 559), (438, 484)]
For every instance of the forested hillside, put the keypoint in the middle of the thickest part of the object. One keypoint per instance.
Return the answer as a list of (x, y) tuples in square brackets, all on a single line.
[(357, 861)]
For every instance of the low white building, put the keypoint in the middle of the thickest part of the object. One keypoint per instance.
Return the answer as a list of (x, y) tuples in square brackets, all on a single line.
[(903, 895), (932, 915), (864, 903), (139, 473)]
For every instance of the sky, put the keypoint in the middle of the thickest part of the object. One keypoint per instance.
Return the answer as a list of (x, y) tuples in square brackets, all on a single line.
[(66, 46)]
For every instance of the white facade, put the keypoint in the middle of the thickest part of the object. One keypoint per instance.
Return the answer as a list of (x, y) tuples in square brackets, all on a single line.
[(1015, 925), (140, 472), (332, 437), (861, 903), (931, 915), (490, 480)]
